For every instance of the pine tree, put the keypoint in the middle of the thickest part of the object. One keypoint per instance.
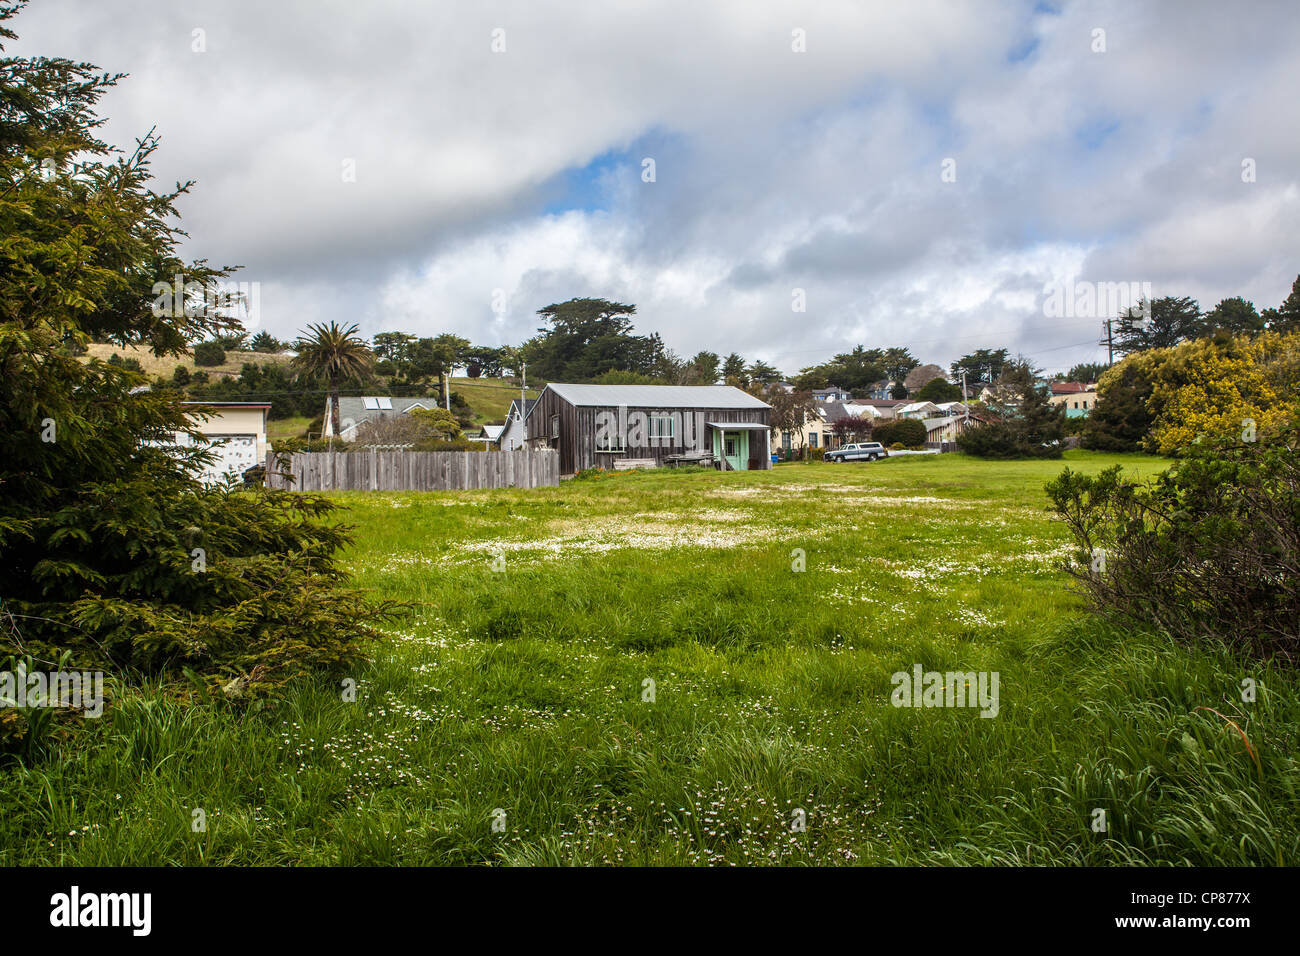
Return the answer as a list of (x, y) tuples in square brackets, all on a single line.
[(110, 548)]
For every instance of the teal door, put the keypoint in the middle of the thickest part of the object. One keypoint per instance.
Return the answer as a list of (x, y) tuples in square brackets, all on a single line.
[(733, 447)]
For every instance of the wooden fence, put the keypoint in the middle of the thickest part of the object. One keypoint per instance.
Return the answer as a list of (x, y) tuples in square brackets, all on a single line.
[(376, 470)]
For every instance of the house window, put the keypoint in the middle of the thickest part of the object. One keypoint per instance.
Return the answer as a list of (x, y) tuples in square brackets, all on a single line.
[(662, 426), (555, 426), (785, 440), (812, 439), (1085, 403)]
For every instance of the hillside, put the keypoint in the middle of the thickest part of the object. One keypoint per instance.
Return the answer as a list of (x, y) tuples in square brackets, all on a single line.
[(488, 397), (165, 365)]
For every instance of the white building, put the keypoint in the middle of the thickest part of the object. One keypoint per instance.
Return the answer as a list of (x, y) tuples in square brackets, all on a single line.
[(514, 436), (234, 431)]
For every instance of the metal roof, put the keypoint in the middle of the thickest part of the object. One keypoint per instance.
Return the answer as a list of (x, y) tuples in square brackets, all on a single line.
[(523, 406), (354, 407), (738, 426), (657, 396)]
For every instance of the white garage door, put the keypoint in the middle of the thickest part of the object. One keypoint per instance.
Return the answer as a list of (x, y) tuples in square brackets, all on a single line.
[(235, 454)]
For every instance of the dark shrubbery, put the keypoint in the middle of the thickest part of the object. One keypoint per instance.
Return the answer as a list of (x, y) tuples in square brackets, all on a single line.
[(1120, 421), (1210, 550), (130, 364), (1028, 426), (112, 555), (1005, 440), (907, 432), (209, 353)]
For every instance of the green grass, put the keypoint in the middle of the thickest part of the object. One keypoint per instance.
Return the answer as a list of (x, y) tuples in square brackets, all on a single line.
[(489, 398), (523, 691), (294, 427)]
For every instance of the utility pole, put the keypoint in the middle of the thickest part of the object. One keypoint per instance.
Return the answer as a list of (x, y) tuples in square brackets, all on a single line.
[(523, 385), (1110, 345), (446, 389)]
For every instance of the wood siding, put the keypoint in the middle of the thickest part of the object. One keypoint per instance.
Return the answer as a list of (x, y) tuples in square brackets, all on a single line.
[(577, 442), (413, 470)]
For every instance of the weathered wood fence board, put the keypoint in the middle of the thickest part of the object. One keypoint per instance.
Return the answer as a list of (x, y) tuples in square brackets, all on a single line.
[(400, 470)]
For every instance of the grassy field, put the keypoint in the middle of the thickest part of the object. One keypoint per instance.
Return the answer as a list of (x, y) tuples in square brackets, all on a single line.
[(507, 721)]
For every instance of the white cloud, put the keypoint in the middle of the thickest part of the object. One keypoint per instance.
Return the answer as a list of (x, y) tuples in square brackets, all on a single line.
[(775, 169)]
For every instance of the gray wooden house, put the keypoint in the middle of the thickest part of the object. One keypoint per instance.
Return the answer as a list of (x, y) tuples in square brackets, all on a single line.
[(602, 426)]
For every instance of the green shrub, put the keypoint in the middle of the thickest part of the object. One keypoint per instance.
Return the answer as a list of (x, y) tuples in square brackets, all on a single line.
[(112, 555), (901, 431), (209, 353), (130, 364), (1206, 552), (1027, 426)]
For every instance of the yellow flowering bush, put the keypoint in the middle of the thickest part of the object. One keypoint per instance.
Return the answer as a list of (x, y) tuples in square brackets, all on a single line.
[(1220, 388)]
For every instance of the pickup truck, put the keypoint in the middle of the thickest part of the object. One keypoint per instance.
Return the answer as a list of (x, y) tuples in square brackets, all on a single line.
[(860, 451)]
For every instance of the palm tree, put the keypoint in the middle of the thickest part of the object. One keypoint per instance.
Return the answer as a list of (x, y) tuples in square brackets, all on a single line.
[(338, 354)]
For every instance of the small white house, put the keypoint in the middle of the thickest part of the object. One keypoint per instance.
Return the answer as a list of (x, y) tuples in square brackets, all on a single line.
[(235, 432), (514, 435), (918, 410)]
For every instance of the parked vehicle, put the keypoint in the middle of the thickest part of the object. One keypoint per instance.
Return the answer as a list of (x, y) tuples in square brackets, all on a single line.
[(858, 451)]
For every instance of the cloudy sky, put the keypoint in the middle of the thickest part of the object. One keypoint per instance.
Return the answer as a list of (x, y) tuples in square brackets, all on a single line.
[(922, 171)]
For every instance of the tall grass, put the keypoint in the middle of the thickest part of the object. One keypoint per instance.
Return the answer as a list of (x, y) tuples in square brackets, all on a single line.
[(519, 697)]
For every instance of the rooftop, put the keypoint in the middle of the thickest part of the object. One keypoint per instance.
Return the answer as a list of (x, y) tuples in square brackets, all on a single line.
[(657, 396)]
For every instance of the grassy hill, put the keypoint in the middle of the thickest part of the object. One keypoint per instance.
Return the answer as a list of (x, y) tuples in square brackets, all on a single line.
[(488, 397), (154, 365)]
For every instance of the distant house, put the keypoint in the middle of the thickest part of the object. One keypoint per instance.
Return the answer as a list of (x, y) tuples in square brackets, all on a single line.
[(945, 428), (1078, 398), (883, 407), (832, 394), (602, 425), (354, 412), (515, 434), (234, 431), (819, 432), (488, 434), (919, 410), (882, 390)]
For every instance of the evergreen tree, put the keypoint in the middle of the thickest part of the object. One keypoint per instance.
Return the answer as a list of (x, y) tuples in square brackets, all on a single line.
[(111, 551), (1120, 421), (1029, 426)]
